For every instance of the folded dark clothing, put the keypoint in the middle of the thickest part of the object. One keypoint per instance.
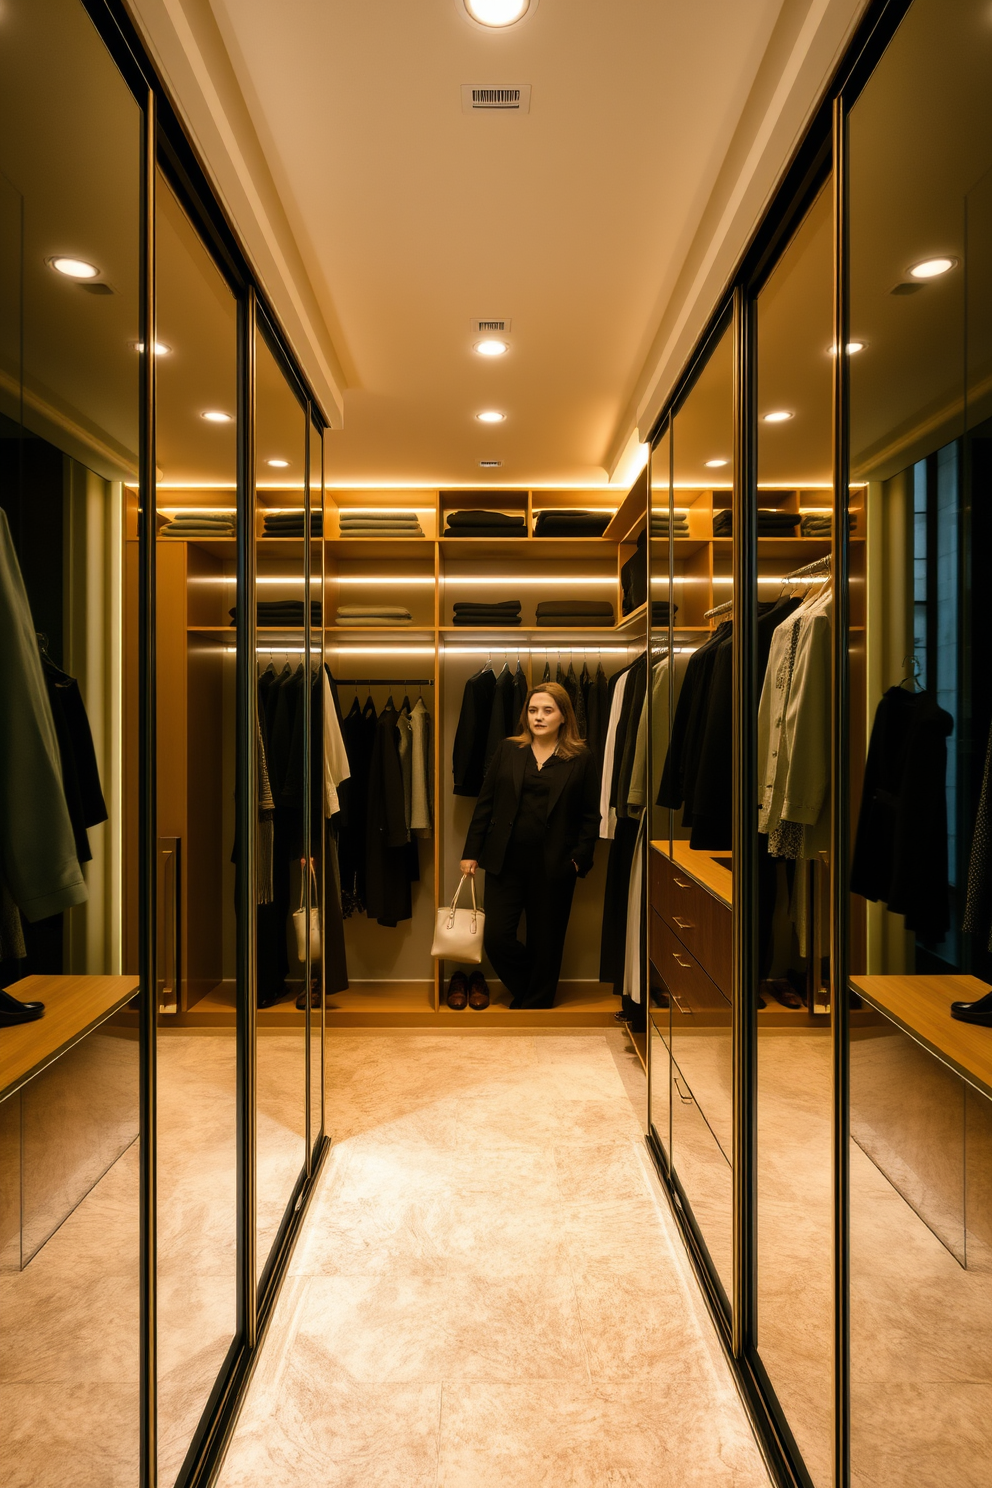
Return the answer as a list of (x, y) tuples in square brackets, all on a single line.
[(575, 607), (660, 611), (490, 623), (485, 519), (283, 522), (574, 523), (512, 605), (487, 615), (576, 622), (485, 532)]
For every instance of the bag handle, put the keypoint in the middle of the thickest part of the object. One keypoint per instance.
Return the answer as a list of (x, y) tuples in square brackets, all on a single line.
[(303, 892), (454, 902)]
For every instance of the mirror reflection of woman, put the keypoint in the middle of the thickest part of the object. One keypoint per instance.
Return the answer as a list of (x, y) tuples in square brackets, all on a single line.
[(534, 831)]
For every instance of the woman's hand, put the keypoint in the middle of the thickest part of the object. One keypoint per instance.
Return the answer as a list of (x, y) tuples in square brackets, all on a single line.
[(468, 865)]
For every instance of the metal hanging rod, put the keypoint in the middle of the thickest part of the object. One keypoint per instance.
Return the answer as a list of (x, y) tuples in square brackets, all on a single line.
[(810, 570), (382, 681)]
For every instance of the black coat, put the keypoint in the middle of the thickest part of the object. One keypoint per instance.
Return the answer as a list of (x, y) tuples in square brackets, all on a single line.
[(468, 756), (573, 812), (387, 865), (900, 852)]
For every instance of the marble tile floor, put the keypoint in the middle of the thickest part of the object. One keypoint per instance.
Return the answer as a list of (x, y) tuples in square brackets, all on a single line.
[(489, 1288)]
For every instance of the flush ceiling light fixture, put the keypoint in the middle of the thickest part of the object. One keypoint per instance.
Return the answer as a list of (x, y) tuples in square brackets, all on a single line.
[(495, 14), (932, 268), (716, 464), (278, 464), (778, 417), (73, 268), (491, 348), (214, 416), (490, 416)]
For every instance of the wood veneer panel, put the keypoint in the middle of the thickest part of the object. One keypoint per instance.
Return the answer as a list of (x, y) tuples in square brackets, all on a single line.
[(921, 1005), (73, 1006), (682, 974)]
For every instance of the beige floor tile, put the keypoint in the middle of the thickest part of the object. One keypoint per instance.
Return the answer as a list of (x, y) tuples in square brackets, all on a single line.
[(80, 1436), (510, 1328), (549, 1435), (594, 1170)]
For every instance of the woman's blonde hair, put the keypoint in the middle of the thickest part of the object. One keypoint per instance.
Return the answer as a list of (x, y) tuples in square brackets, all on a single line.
[(570, 742)]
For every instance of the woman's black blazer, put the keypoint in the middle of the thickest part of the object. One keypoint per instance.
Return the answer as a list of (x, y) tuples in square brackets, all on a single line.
[(573, 812)]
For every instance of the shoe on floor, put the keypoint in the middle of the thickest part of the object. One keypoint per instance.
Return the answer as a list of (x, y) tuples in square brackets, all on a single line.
[(980, 1005), (12, 1011), (457, 994), (972, 1013), (478, 992), (269, 999)]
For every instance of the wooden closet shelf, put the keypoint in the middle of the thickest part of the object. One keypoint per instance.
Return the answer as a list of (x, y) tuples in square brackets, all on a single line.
[(74, 1006), (627, 622), (704, 867), (922, 1006)]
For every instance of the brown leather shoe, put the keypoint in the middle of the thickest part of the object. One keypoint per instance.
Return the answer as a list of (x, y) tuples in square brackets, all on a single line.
[(478, 992), (457, 998)]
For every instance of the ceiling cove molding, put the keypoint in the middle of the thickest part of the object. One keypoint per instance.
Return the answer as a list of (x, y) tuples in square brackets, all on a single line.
[(802, 56), (184, 41)]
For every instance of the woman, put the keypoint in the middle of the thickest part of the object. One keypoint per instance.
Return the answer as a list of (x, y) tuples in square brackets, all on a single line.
[(534, 831)]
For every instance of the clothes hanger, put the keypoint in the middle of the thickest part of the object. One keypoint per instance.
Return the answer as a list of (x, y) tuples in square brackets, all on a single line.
[(913, 679)]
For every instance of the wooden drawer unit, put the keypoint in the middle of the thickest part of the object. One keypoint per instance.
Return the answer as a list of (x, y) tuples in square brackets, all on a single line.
[(690, 988), (701, 922)]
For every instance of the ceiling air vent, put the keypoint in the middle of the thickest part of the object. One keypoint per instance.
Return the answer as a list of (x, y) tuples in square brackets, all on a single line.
[(491, 325), (490, 464), (516, 100)]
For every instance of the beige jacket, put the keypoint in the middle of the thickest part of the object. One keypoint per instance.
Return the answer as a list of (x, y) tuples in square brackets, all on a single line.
[(661, 722), (794, 733)]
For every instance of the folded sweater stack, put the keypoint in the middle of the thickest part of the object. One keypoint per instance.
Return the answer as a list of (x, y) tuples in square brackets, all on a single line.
[(660, 524), (292, 523), (569, 613), (820, 524), (487, 613), (372, 615), (571, 523), (281, 614), (200, 524), (485, 524), (371, 523), (662, 610), (771, 522)]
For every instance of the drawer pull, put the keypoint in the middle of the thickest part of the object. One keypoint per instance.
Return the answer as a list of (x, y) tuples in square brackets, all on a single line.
[(686, 965), (685, 1098), (680, 883), (683, 924), (685, 1011)]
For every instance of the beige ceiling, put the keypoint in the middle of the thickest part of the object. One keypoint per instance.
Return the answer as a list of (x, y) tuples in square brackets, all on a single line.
[(413, 217)]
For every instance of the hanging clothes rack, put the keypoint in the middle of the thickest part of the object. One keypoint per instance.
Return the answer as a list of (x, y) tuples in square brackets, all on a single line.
[(383, 681)]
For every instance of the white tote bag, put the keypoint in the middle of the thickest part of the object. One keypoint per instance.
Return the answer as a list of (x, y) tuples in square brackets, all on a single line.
[(300, 917), (458, 936)]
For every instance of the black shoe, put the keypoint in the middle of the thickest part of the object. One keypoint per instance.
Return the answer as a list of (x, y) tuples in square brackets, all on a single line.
[(972, 1012), (12, 1011), (478, 992), (269, 999), (980, 1005), (457, 994)]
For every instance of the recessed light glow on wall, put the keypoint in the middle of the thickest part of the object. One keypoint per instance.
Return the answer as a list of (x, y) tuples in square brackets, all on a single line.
[(278, 464), (490, 416), (497, 12), (73, 268), (852, 348), (716, 464), (932, 268), (491, 348), (160, 347), (778, 417), (214, 416)]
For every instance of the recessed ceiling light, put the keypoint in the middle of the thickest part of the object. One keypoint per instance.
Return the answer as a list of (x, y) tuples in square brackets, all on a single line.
[(278, 464), (716, 464), (73, 268), (213, 416), (160, 347), (932, 268), (497, 12), (778, 417), (491, 348), (490, 416), (852, 347)]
